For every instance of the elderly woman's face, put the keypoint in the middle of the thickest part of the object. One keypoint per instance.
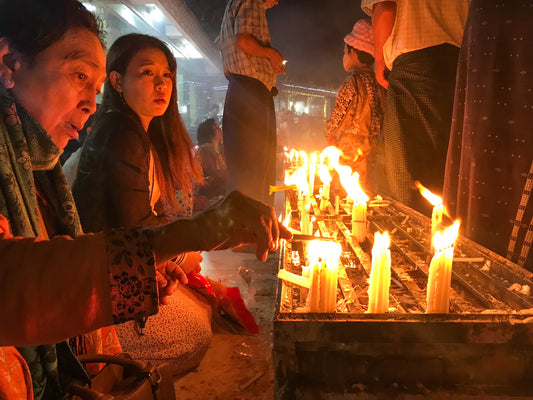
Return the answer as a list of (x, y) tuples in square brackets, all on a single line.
[(59, 87)]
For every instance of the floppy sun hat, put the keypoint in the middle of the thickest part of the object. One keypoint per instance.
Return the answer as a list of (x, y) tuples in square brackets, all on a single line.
[(361, 37)]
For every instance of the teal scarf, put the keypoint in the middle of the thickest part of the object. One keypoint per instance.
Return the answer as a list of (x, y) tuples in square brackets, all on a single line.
[(27, 154)]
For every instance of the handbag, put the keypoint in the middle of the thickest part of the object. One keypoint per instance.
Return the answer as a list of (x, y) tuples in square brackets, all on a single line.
[(123, 378)]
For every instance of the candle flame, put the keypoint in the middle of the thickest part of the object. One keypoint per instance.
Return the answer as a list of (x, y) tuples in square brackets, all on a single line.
[(447, 238), (303, 157), (323, 173), (428, 195), (332, 154), (350, 182), (323, 250), (293, 155), (298, 178), (287, 220), (381, 241)]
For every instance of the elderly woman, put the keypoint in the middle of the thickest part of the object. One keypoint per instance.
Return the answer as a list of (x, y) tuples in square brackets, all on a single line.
[(56, 282)]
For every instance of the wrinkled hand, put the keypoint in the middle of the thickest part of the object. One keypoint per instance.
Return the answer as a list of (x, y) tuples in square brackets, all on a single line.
[(239, 220), (380, 69), (168, 274)]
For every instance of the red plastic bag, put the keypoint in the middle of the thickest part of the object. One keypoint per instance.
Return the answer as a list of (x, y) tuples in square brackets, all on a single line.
[(227, 298)]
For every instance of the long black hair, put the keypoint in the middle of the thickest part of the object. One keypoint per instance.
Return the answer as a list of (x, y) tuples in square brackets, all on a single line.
[(172, 147), (206, 131)]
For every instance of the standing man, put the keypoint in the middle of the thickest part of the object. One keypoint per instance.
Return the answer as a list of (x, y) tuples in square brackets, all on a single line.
[(418, 41), (249, 122)]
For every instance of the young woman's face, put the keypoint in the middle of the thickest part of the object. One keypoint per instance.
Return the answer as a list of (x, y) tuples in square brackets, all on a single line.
[(147, 84), (59, 87)]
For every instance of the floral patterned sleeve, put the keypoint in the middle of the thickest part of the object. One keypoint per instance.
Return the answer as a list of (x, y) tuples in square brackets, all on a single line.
[(132, 274), (346, 100)]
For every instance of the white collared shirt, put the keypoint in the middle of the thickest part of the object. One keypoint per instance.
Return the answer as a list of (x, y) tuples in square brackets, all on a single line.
[(421, 24)]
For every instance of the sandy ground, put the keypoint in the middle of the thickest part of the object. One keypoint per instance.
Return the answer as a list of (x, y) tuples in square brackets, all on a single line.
[(237, 366)]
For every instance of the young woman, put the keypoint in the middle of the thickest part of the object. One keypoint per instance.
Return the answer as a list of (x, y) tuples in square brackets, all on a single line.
[(56, 282), (356, 119), (137, 157)]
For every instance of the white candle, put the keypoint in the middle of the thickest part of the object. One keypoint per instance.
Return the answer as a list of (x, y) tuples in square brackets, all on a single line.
[(313, 298), (359, 221), (305, 218), (312, 167), (350, 182), (438, 208), (436, 219), (324, 264), (380, 275), (325, 177), (440, 271)]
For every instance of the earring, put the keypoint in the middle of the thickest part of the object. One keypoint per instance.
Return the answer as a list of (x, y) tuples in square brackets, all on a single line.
[(8, 83)]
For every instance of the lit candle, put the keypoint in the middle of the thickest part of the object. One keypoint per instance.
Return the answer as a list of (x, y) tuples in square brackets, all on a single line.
[(305, 218), (380, 275), (438, 208), (440, 270), (312, 168), (325, 177), (324, 267), (299, 178), (355, 193), (359, 221)]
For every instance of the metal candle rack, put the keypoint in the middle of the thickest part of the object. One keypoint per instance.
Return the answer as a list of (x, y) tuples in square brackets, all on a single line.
[(483, 348)]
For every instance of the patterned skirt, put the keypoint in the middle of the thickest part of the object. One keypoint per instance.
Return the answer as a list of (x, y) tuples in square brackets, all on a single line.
[(489, 175)]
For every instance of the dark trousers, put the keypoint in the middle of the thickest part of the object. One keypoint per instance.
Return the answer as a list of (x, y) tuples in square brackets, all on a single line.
[(416, 123), (249, 129)]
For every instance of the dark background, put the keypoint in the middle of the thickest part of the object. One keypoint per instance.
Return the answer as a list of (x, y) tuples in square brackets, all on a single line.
[(308, 33)]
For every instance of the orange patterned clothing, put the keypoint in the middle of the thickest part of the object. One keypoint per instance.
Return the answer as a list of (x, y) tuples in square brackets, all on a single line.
[(355, 122), (101, 341), (15, 378)]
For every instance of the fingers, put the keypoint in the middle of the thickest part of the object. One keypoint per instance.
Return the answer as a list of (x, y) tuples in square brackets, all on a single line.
[(160, 279), (191, 262), (174, 272), (284, 232), (264, 240), (166, 292)]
